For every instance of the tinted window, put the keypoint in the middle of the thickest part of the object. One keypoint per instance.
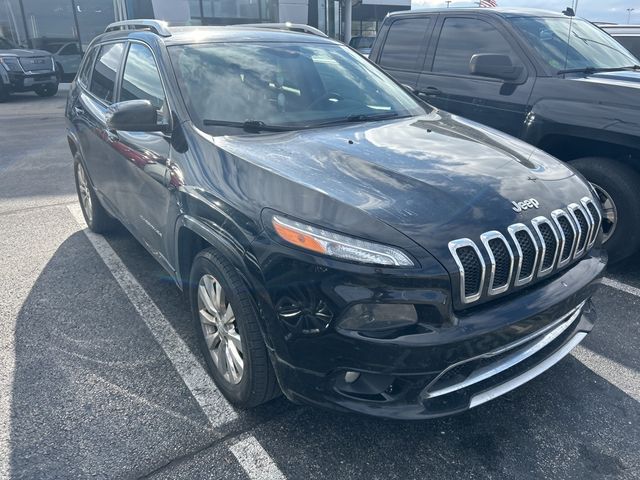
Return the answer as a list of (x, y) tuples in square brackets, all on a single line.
[(403, 43), (567, 44), (630, 43), (87, 66), (105, 70), (141, 80), (462, 38)]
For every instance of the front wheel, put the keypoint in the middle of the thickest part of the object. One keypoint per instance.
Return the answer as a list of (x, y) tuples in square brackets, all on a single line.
[(226, 323), (4, 94), (618, 188), (47, 90)]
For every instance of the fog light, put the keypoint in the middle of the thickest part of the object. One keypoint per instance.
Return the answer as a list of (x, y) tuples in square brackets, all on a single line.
[(351, 377), (373, 317)]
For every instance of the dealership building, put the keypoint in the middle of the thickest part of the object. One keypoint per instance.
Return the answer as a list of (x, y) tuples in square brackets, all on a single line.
[(67, 26)]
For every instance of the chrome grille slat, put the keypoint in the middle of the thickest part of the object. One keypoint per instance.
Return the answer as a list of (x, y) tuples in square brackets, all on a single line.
[(538, 223), (582, 226), (487, 239), (596, 219), (513, 232), (546, 247), (568, 242), (456, 245)]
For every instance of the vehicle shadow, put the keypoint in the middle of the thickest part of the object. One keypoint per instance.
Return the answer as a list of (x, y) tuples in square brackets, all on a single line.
[(93, 394)]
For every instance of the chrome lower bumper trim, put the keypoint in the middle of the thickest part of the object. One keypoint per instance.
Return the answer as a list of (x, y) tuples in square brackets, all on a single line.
[(539, 339), (549, 362)]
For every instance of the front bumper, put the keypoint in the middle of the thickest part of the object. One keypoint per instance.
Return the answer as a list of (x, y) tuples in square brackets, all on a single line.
[(485, 352), (23, 82)]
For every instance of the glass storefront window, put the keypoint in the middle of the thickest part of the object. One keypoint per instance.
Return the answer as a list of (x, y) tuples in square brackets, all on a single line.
[(50, 24), (93, 17), (11, 24)]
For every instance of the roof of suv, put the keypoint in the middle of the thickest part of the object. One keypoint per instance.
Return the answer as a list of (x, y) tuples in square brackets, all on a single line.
[(233, 33), (502, 11)]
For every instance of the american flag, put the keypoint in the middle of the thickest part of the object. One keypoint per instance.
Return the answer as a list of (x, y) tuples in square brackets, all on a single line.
[(488, 3)]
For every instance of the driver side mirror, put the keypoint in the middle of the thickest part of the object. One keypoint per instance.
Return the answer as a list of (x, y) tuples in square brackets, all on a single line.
[(494, 66), (135, 116)]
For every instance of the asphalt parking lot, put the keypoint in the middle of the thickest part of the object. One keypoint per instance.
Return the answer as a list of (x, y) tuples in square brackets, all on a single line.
[(100, 375)]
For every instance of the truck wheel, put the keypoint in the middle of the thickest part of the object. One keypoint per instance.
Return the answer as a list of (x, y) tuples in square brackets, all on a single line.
[(97, 218), (618, 187), (59, 72), (226, 323), (47, 90)]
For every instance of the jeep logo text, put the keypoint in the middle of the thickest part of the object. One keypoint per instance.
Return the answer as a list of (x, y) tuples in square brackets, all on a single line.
[(525, 205)]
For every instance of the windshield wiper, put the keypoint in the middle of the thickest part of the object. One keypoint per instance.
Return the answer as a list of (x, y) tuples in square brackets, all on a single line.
[(370, 117), (590, 70), (249, 125)]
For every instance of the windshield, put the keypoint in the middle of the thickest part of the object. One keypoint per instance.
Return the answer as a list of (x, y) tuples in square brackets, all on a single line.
[(588, 47), (5, 44), (285, 85)]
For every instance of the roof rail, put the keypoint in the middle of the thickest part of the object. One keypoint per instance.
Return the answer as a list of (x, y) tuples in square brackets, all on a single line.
[(292, 27), (158, 27)]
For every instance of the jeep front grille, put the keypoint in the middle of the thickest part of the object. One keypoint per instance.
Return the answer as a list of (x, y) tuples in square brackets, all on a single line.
[(529, 252)]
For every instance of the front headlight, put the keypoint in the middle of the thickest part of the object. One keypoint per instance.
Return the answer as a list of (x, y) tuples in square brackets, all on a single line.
[(11, 64), (336, 245)]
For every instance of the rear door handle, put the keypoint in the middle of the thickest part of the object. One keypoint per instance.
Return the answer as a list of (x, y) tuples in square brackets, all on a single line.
[(79, 110), (430, 92)]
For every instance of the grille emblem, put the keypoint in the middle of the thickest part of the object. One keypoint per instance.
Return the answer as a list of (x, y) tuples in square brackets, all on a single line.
[(525, 205)]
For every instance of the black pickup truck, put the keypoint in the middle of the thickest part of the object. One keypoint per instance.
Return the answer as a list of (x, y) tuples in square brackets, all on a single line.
[(23, 70), (553, 80)]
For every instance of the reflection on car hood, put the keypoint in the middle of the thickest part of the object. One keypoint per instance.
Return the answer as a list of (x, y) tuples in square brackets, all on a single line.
[(430, 177)]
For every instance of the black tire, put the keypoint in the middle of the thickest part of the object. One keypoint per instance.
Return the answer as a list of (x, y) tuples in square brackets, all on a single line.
[(59, 73), (258, 383), (621, 184), (47, 90), (4, 94), (97, 218)]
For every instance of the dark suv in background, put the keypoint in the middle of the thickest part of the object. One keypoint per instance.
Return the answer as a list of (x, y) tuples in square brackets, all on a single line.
[(337, 238), (627, 35), (557, 82), (23, 70)]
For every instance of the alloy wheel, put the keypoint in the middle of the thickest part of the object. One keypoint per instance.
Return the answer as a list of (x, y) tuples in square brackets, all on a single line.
[(85, 193), (220, 329), (609, 213)]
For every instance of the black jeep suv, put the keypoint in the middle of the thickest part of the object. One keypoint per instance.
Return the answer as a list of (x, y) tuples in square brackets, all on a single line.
[(337, 239), (557, 82), (26, 71)]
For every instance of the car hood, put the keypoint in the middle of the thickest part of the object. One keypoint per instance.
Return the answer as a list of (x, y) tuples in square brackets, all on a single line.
[(434, 178), (19, 52), (621, 79)]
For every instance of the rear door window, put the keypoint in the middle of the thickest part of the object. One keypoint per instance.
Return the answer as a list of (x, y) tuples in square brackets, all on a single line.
[(105, 71), (462, 38), (404, 42), (85, 73)]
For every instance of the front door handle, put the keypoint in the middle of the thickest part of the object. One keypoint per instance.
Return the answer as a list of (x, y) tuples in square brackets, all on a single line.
[(112, 136), (430, 92)]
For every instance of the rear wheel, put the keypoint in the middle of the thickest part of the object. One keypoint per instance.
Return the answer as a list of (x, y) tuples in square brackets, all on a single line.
[(47, 90), (618, 187), (98, 220), (226, 322)]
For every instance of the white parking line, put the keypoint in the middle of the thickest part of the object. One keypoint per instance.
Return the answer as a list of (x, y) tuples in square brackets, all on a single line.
[(197, 380), (255, 461), (622, 377), (610, 282)]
